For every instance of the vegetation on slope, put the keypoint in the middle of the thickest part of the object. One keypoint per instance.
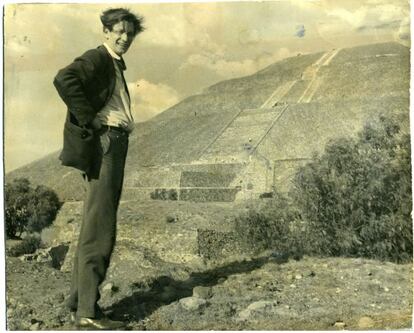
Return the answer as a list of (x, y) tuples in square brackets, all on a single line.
[(354, 200), (28, 209)]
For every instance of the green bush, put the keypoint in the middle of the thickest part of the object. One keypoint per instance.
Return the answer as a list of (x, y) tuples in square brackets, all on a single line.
[(171, 219), (354, 200), (17, 196), (356, 197), (164, 194), (269, 226), (28, 209), (29, 245), (43, 207)]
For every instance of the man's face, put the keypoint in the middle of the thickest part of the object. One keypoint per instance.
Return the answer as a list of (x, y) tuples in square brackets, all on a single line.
[(121, 37)]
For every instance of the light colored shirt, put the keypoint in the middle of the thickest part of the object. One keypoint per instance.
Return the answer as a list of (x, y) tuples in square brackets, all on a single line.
[(117, 111)]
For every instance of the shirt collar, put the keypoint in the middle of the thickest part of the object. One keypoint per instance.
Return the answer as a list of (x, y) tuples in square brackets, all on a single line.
[(111, 52)]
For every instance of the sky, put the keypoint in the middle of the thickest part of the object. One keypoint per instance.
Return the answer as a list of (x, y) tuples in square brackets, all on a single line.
[(185, 48)]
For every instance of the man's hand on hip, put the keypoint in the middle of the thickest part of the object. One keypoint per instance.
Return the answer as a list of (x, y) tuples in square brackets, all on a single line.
[(96, 124)]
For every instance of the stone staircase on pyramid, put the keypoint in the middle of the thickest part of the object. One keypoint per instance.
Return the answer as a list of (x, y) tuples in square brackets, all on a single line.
[(241, 136)]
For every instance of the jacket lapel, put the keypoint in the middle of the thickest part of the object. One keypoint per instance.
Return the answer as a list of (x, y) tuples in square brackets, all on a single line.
[(109, 64)]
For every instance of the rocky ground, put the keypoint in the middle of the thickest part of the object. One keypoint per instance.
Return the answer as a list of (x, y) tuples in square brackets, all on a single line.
[(158, 281), (260, 293)]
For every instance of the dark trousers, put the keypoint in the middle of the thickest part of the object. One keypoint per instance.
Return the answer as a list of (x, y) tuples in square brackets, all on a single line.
[(98, 231)]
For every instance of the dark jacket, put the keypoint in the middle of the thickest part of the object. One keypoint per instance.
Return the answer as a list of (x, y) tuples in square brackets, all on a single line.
[(85, 86)]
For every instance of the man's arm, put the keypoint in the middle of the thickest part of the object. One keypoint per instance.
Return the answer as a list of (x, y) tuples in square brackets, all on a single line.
[(70, 82)]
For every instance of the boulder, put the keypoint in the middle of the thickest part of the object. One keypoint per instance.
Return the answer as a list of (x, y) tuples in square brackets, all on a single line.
[(202, 292), (192, 303), (365, 323)]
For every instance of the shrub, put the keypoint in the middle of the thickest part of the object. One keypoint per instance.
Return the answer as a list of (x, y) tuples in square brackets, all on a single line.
[(28, 209), (29, 245), (17, 196), (268, 226), (164, 194), (43, 206), (356, 197), (171, 219), (266, 195)]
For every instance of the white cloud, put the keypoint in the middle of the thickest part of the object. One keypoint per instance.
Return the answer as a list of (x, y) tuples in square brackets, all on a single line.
[(16, 46), (149, 99), (369, 18), (232, 68), (57, 28), (156, 32), (307, 4), (354, 18), (189, 25)]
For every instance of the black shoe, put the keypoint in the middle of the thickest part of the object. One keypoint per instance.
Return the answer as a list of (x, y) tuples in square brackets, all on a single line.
[(98, 314), (98, 324)]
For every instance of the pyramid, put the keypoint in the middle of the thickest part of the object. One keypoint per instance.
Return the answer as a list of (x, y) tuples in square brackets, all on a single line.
[(244, 137)]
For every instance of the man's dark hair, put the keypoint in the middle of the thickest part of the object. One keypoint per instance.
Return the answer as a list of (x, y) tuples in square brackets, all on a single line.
[(112, 16)]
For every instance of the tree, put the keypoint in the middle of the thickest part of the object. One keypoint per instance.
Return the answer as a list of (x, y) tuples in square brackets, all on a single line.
[(16, 200), (356, 197), (28, 209)]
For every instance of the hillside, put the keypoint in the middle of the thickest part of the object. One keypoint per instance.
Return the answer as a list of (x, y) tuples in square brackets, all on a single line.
[(253, 132)]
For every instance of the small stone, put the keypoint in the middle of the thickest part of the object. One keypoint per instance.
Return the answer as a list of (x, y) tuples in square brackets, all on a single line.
[(292, 285), (108, 286), (366, 322), (60, 298), (192, 303), (298, 276), (340, 325), (35, 327), (386, 289), (202, 292), (243, 315), (289, 277), (259, 305), (285, 312), (338, 290)]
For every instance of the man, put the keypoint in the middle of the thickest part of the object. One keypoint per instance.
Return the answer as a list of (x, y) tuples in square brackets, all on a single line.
[(96, 133)]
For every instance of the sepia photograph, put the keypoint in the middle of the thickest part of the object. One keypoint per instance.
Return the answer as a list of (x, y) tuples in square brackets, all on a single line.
[(235, 165)]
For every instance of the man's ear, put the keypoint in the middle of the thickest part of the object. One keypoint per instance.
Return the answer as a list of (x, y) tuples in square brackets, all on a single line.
[(106, 31)]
